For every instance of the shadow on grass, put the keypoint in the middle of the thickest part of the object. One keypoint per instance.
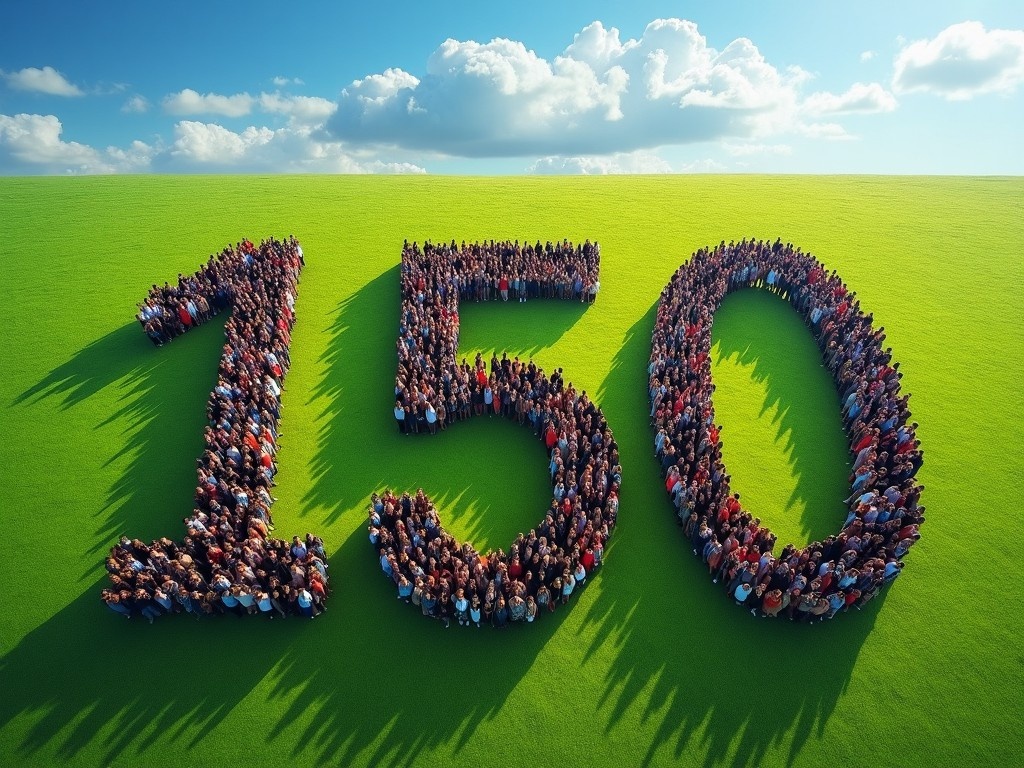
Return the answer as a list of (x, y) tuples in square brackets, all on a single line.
[(390, 685), (360, 450), (370, 677), (95, 683), (159, 405), (757, 329), (706, 674), (370, 680), (88, 680)]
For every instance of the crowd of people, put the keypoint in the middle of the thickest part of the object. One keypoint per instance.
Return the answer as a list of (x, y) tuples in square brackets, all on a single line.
[(884, 512), (434, 389), (229, 562)]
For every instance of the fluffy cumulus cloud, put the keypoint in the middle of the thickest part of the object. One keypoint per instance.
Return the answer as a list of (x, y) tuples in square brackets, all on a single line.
[(602, 95), (189, 102), (860, 98), (212, 147), (304, 110), (33, 144), (46, 80), (962, 61)]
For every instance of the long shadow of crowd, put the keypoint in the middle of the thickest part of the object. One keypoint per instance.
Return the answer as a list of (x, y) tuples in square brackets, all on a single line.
[(883, 516), (229, 562), (434, 390)]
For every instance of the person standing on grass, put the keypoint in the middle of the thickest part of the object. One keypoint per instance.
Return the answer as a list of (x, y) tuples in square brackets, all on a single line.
[(431, 415), (772, 603), (500, 616), (400, 417), (742, 592)]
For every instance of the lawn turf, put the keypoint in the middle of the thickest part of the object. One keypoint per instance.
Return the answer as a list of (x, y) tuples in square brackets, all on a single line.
[(650, 664)]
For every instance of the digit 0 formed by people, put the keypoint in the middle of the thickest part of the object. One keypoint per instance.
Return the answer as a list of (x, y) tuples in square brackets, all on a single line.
[(229, 561), (883, 508), (434, 390)]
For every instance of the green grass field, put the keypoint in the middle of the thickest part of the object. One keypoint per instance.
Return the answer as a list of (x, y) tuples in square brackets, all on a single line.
[(651, 664)]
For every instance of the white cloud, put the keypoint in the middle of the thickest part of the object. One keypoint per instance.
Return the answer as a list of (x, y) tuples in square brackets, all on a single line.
[(136, 159), (189, 102), (33, 143), (702, 166), (281, 82), (212, 147), (867, 55), (307, 110), (860, 98), (830, 131), (600, 96), (136, 105), (212, 143), (595, 165), (746, 150), (962, 61), (45, 80)]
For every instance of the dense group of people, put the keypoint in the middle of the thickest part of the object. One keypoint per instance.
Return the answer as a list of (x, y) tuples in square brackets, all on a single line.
[(229, 562), (434, 389), (884, 512)]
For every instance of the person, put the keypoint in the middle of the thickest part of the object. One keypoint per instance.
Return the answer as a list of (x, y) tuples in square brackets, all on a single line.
[(544, 599), (400, 417), (500, 617), (742, 592), (246, 600), (580, 574), (429, 602), (568, 585), (405, 589), (516, 608), (772, 603), (474, 610), (461, 606), (531, 609), (305, 602), (113, 601)]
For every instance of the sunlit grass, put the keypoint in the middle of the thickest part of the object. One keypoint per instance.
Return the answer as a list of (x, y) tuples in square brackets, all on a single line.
[(651, 664)]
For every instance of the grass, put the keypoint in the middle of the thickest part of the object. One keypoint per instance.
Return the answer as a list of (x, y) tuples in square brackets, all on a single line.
[(650, 665)]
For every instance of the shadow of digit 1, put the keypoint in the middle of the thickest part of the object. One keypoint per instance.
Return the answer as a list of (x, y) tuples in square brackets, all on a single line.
[(383, 684), (88, 678)]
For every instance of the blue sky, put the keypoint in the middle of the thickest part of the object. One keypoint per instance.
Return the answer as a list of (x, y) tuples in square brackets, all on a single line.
[(512, 88)]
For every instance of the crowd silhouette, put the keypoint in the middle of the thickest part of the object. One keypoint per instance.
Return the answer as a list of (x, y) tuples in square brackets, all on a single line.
[(434, 390), (884, 512), (229, 561)]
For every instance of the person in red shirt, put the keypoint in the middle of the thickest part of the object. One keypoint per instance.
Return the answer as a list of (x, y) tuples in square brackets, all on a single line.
[(772, 603)]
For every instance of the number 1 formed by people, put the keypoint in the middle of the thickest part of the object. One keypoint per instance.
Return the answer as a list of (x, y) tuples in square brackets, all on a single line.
[(229, 561)]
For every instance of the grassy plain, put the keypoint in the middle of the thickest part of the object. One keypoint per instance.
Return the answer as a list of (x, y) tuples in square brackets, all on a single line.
[(651, 664)]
